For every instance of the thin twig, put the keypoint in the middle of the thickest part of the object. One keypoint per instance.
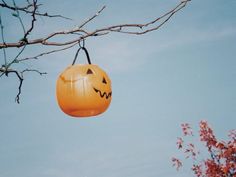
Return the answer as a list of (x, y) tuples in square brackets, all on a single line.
[(7, 71), (3, 40), (33, 70), (33, 20), (18, 16), (91, 18), (15, 59), (5, 5), (168, 15), (20, 76), (46, 53)]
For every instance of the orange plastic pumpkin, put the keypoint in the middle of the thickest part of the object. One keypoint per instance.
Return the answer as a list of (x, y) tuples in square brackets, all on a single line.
[(83, 90)]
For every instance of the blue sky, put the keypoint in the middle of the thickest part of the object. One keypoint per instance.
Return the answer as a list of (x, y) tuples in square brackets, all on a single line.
[(184, 72)]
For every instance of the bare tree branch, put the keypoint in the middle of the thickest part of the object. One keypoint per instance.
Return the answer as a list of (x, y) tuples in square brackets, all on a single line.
[(5, 5), (46, 53), (17, 15), (91, 18), (27, 11), (3, 40), (16, 57), (20, 76), (33, 20), (135, 29)]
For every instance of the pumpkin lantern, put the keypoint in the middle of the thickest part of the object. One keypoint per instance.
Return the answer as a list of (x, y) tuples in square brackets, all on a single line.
[(83, 90)]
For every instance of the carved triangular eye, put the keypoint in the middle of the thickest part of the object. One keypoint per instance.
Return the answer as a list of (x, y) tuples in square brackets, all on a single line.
[(104, 80), (89, 71)]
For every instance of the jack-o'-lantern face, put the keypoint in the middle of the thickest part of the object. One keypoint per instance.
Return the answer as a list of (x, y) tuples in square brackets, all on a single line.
[(83, 90)]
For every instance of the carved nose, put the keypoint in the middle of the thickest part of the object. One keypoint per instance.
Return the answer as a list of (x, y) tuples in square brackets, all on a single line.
[(104, 81)]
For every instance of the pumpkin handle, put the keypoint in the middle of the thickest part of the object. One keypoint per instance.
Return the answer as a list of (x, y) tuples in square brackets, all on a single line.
[(86, 52)]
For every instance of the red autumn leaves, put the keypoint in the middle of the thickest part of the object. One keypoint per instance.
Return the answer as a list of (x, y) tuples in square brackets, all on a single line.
[(221, 160)]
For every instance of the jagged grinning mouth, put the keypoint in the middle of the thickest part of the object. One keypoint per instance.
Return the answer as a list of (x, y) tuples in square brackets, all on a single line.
[(102, 94)]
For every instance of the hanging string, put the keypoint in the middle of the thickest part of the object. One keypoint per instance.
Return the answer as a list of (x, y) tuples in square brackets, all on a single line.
[(82, 47)]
